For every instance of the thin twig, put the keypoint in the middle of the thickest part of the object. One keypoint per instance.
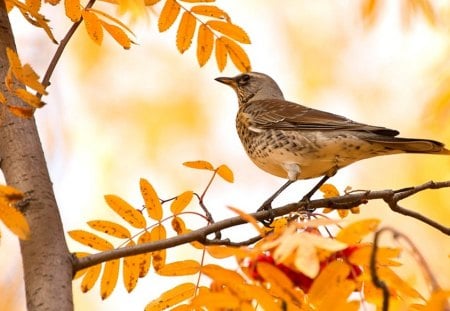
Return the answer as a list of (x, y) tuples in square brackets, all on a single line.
[(373, 270), (341, 202), (60, 50)]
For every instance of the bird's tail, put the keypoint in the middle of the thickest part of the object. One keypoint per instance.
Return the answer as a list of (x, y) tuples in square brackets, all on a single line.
[(412, 145)]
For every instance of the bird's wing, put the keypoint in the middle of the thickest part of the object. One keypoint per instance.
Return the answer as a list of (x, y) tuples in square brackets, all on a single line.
[(284, 115)]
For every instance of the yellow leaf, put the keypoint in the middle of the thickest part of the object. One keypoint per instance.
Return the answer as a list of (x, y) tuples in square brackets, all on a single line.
[(205, 44), (159, 257), (195, 1), (109, 277), (151, 2), (29, 98), (225, 172), (369, 10), (361, 256), (151, 200), (110, 228), (81, 272), (172, 297), (201, 165), (90, 278), (33, 5), (230, 30), (329, 191), (354, 232), (131, 269), (180, 203), (73, 9), (24, 112), (218, 273), (13, 219), (280, 284), (221, 54), (10, 193), (126, 211), (211, 11), (93, 26), (168, 15), (31, 79), (118, 35), (437, 301), (395, 283), (91, 240), (221, 252), (248, 218), (184, 267), (185, 31), (217, 301), (112, 18), (331, 276), (146, 258), (14, 62), (178, 225)]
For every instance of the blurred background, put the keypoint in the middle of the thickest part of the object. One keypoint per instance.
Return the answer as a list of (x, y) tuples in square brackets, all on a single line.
[(116, 115)]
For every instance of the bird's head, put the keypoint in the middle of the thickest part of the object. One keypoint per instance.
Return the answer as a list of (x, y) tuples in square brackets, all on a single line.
[(252, 86)]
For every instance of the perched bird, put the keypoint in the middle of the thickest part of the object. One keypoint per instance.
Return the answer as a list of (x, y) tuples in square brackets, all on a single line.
[(296, 142)]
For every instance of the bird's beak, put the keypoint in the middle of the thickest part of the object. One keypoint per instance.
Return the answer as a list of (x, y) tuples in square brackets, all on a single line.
[(226, 80)]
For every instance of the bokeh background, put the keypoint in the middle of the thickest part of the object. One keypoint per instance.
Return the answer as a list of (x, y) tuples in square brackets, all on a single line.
[(116, 115)]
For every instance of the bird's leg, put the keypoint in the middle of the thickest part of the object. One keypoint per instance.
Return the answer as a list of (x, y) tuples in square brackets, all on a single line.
[(324, 179), (267, 205)]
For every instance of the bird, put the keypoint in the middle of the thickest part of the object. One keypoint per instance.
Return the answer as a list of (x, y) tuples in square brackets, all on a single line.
[(296, 142)]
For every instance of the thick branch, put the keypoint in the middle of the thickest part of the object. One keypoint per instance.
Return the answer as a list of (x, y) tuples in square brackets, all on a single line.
[(342, 202)]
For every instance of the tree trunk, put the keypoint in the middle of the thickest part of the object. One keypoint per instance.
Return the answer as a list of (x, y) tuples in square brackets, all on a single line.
[(47, 262)]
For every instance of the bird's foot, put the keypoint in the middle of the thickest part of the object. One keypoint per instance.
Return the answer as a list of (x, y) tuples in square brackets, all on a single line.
[(305, 202), (267, 206)]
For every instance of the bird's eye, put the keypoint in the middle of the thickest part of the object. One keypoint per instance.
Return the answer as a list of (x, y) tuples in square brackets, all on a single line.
[(244, 79)]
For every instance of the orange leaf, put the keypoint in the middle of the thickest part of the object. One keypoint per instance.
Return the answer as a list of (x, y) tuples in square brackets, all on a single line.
[(159, 257), (221, 54), (13, 219), (205, 44), (93, 26), (329, 191), (151, 200), (201, 165), (233, 31), (361, 256), (354, 232), (90, 278), (211, 11), (110, 228), (10, 193), (180, 203), (218, 273), (178, 225), (109, 278), (2, 98), (29, 98), (113, 19), (151, 2), (131, 269), (91, 240), (220, 252), (118, 35), (126, 211), (225, 172), (146, 258), (185, 31), (24, 112), (33, 5), (184, 267), (73, 9), (237, 54), (217, 301), (437, 301), (280, 284), (370, 10), (172, 297), (195, 1), (168, 15)]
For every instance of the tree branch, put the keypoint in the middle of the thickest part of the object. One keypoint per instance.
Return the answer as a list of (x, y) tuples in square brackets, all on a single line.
[(347, 201)]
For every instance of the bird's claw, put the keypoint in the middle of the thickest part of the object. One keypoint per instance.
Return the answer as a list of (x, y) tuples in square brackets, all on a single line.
[(267, 206)]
